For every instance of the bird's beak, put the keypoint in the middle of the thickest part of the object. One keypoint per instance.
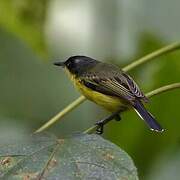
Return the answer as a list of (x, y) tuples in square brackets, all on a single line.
[(62, 64)]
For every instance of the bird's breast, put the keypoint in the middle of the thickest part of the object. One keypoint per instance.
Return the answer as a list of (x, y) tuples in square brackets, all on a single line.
[(111, 103)]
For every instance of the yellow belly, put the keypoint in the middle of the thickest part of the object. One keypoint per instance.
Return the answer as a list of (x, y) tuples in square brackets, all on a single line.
[(108, 102)]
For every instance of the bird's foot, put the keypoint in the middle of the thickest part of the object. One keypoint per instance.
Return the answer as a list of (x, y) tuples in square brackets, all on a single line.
[(100, 127), (100, 124)]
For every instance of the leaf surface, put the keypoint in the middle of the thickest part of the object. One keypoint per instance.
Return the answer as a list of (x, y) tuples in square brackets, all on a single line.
[(78, 157)]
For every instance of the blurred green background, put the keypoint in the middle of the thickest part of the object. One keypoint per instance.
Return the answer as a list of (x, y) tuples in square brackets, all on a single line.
[(34, 33)]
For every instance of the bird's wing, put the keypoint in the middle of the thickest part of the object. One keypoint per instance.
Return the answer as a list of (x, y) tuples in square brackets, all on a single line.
[(133, 87), (114, 83)]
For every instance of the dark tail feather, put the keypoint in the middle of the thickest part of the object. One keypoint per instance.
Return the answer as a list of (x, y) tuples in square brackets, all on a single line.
[(147, 117)]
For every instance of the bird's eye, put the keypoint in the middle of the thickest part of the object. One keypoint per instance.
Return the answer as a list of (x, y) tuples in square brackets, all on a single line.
[(67, 64)]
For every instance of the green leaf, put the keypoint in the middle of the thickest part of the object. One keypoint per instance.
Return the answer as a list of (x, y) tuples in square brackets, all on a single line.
[(25, 19), (79, 157)]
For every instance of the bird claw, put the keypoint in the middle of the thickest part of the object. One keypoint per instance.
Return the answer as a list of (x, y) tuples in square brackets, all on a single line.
[(100, 127), (100, 124)]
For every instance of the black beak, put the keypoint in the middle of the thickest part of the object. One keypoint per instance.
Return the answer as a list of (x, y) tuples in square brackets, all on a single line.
[(62, 64)]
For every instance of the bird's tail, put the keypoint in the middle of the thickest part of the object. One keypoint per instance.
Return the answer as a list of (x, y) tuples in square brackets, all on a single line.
[(147, 117)]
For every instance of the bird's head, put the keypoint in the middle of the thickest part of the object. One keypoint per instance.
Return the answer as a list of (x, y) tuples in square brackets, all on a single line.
[(77, 64)]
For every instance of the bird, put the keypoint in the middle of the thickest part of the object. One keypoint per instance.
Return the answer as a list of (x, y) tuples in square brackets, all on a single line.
[(108, 86)]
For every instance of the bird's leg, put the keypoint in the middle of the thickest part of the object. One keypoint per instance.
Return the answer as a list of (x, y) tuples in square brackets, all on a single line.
[(117, 117), (104, 121)]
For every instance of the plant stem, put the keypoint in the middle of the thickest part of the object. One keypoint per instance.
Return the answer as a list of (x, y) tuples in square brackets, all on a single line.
[(81, 99), (149, 95), (67, 109), (163, 89), (162, 51)]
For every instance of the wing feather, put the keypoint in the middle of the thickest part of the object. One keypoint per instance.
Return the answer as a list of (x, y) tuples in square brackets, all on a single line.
[(107, 86), (112, 81)]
